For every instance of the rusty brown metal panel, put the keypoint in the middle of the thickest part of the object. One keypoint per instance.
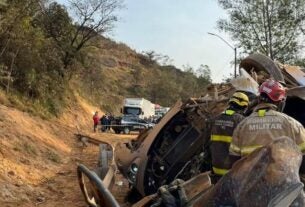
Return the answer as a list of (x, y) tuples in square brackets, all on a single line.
[(296, 73), (145, 201), (267, 172), (297, 92), (197, 186), (109, 178), (193, 188), (124, 157)]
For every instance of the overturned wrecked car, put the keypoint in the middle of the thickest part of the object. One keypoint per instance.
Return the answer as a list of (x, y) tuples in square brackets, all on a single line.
[(177, 148)]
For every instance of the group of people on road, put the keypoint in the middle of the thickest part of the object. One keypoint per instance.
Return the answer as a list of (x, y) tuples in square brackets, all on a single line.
[(104, 121), (234, 136)]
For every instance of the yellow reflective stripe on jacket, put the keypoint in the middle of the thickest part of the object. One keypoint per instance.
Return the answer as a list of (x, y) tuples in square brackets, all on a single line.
[(229, 112), (261, 112), (221, 138), (220, 171), (302, 147), (234, 148), (247, 150)]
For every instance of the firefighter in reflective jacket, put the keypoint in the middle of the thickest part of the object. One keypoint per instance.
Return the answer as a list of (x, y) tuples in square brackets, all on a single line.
[(222, 130), (266, 123)]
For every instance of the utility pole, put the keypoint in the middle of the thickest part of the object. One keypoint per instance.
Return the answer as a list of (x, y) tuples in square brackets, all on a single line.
[(235, 62), (234, 48)]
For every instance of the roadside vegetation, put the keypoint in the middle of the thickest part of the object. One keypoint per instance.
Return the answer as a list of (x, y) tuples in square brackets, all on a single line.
[(273, 28), (46, 56)]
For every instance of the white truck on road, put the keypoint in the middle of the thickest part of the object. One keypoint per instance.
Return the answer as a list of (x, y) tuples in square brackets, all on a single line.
[(138, 106)]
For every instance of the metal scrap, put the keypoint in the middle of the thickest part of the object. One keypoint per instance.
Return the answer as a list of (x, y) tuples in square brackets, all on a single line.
[(176, 147)]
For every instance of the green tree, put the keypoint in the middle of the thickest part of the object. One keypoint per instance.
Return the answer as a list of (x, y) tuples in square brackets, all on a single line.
[(91, 19), (271, 27), (204, 76), (154, 58), (29, 61), (55, 22), (163, 89), (204, 72)]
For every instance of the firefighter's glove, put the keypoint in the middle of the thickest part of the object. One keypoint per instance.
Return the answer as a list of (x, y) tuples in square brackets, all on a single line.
[(176, 183), (168, 200)]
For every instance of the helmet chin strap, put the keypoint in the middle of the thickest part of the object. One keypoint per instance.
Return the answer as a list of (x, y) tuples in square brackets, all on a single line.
[(281, 105)]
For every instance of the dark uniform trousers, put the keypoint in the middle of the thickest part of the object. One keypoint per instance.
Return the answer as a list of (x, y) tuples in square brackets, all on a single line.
[(221, 138)]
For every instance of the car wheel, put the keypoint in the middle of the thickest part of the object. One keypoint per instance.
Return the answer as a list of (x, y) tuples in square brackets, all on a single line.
[(262, 63), (126, 130)]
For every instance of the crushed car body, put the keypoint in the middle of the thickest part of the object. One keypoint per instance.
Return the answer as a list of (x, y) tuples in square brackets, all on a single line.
[(267, 177), (177, 147)]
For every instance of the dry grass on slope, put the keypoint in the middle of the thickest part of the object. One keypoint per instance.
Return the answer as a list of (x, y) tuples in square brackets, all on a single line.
[(33, 151)]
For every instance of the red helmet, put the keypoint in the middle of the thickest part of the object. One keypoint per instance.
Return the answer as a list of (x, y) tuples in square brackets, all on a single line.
[(273, 89)]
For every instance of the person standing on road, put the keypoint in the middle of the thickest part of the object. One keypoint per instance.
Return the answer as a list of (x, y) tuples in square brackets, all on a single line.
[(106, 122), (110, 120), (103, 123), (95, 121), (267, 123), (222, 131)]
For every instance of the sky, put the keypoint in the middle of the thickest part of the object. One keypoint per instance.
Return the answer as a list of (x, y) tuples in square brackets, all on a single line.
[(177, 28)]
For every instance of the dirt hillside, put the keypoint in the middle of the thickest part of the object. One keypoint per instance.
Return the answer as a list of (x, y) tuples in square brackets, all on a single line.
[(38, 157), (113, 71)]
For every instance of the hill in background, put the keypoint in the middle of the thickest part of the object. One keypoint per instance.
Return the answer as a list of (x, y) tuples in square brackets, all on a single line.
[(113, 71), (48, 86), (45, 57)]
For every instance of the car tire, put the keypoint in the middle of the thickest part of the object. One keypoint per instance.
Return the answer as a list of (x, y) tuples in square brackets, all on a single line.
[(126, 130), (264, 63)]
